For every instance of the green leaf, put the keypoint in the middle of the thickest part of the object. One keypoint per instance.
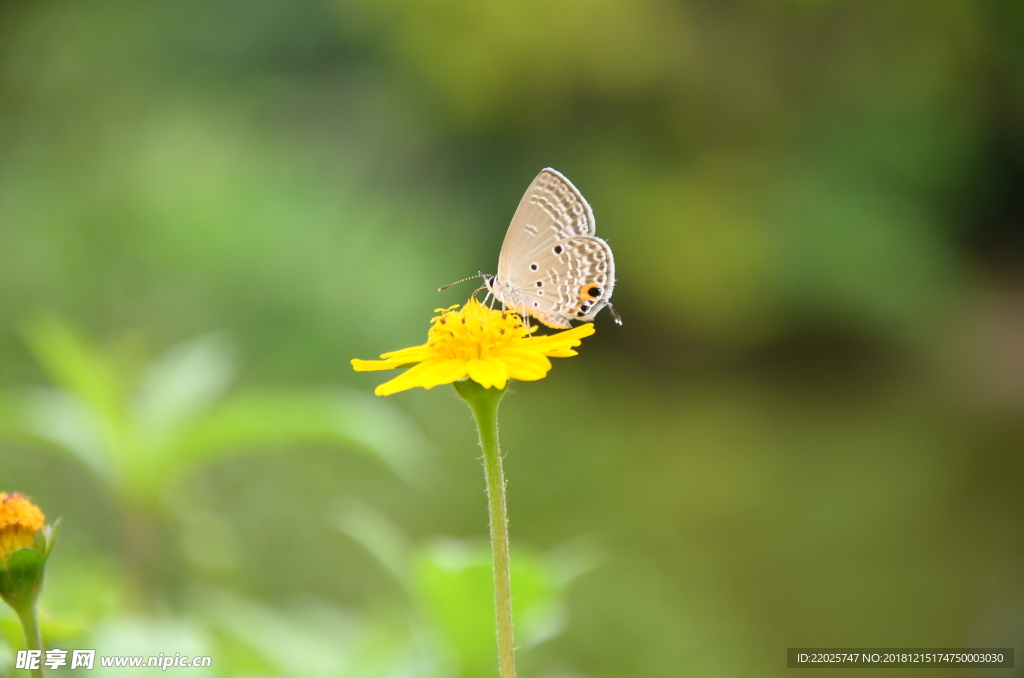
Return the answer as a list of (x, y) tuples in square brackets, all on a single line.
[(52, 532), (59, 419), (455, 586), (75, 365), (173, 422), (186, 380), (258, 419), (378, 427), (313, 634), (381, 537)]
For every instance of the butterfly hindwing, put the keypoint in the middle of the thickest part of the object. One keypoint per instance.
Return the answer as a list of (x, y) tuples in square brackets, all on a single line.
[(570, 280)]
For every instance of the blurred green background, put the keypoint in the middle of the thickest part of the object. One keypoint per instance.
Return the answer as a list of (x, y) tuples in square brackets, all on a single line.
[(808, 432)]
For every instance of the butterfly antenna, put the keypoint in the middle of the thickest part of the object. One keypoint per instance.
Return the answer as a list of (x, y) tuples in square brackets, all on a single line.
[(472, 277), (615, 314)]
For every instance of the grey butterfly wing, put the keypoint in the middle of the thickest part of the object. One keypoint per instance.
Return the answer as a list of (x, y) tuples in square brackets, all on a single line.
[(552, 209), (573, 280)]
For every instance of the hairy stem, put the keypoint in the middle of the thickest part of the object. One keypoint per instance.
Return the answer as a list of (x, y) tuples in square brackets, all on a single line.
[(484, 403)]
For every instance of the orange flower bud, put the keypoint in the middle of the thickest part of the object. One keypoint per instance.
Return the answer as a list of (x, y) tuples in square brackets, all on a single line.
[(20, 520)]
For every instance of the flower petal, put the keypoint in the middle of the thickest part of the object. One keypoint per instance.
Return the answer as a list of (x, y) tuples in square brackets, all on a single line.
[(524, 365), (560, 353), (487, 372), (557, 342), (375, 365), (413, 354), (427, 374)]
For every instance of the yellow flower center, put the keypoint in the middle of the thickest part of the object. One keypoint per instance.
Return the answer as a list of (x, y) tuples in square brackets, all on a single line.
[(20, 519), (490, 347), (474, 332)]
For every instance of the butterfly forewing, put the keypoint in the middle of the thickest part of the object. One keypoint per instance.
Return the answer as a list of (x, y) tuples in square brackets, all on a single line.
[(551, 210)]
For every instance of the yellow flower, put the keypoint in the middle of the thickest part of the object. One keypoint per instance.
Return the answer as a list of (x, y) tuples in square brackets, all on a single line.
[(20, 519), (488, 346)]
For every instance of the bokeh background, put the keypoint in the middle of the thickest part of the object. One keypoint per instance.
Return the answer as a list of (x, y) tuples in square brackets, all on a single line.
[(808, 432)]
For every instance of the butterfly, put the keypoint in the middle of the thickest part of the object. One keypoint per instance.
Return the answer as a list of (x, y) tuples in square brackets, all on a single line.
[(551, 265)]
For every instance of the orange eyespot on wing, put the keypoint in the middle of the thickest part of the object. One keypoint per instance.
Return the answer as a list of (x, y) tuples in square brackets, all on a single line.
[(589, 297), (591, 292)]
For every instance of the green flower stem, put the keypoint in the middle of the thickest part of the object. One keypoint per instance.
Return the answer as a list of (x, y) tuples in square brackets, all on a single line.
[(484, 403), (33, 639)]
